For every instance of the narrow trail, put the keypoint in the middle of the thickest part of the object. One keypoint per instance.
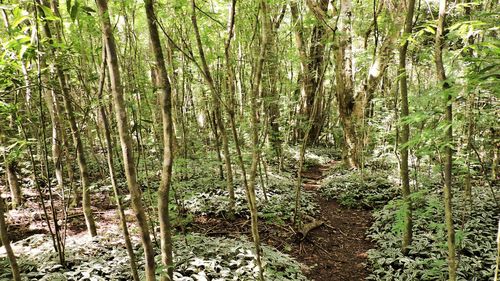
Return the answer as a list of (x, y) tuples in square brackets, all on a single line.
[(336, 251)]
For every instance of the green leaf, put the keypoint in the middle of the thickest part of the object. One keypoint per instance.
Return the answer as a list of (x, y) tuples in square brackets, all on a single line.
[(48, 14), (74, 11), (68, 6), (19, 20)]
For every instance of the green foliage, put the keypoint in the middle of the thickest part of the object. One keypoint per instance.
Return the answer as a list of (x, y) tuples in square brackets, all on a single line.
[(209, 195), (372, 189), (104, 258), (475, 236)]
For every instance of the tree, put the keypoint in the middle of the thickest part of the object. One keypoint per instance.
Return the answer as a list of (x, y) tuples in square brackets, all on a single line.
[(112, 174), (405, 178), (75, 133), (163, 84), (6, 243), (344, 80), (125, 140), (447, 192)]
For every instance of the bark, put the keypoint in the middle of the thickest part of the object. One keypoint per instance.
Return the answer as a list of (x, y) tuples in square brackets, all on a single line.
[(345, 87), (405, 134), (163, 85), (497, 268), (311, 68), (15, 188), (271, 96), (441, 75), (125, 139), (112, 177), (6, 243), (256, 90)]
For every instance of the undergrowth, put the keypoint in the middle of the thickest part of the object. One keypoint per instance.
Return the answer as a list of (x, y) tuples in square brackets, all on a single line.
[(475, 239), (196, 257), (353, 188)]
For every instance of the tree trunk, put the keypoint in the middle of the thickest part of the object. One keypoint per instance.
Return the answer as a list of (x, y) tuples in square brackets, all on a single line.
[(441, 74), (216, 99), (125, 140), (345, 87), (163, 85), (311, 70), (405, 134), (15, 188), (6, 243), (75, 133), (112, 177)]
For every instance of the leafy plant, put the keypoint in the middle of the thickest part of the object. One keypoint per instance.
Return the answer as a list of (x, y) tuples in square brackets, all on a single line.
[(372, 189), (475, 236)]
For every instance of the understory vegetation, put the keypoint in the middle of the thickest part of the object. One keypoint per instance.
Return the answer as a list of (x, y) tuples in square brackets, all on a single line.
[(196, 257), (210, 140)]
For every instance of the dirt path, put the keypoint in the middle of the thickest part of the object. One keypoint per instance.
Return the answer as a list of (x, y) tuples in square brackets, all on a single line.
[(336, 250)]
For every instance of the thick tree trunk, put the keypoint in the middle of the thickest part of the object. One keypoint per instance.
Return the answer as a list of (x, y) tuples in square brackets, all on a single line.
[(405, 134), (311, 71), (163, 85), (345, 87), (447, 192), (125, 140)]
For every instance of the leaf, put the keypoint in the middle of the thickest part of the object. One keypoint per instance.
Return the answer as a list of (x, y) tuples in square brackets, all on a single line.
[(68, 6), (88, 10), (74, 11), (19, 20), (48, 14), (7, 6)]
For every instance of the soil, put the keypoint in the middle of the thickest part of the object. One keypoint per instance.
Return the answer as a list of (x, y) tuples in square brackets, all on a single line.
[(335, 251)]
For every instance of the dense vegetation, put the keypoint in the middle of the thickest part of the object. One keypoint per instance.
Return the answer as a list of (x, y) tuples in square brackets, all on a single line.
[(202, 140)]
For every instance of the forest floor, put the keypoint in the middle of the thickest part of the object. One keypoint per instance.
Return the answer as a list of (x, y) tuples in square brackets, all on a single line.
[(334, 251)]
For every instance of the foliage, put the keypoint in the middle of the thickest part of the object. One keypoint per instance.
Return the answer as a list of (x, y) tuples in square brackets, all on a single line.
[(208, 195), (475, 239), (369, 189), (196, 257)]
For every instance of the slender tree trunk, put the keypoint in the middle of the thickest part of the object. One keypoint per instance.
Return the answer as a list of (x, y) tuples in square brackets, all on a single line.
[(216, 99), (497, 268), (125, 140), (6, 243), (112, 177), (256, 90), (75, 133), (405, 134), (163, 85), (15, 188), (441, 74)]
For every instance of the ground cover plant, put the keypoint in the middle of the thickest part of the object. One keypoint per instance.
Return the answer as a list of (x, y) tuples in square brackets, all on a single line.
[(370, 188), (197, 257), (475, 239)]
